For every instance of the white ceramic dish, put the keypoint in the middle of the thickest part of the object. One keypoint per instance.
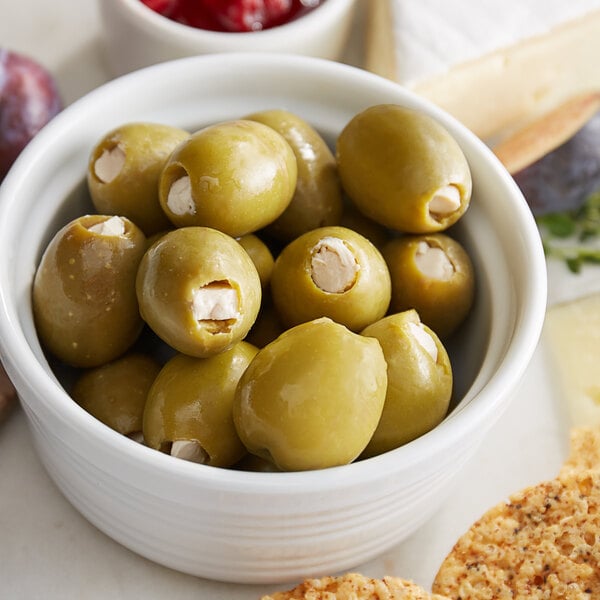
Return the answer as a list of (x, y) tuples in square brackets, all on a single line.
[(260, 527), (134, 36)]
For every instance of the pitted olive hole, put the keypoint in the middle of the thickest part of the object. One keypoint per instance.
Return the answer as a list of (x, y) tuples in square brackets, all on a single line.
[(217, 306), (333, 266), (190, 450), (180, 200), (109, 164), (444, 202), (433, 261), (113, 226)]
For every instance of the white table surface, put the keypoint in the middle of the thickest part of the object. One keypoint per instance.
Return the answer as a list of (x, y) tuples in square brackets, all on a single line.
[(47, 550)]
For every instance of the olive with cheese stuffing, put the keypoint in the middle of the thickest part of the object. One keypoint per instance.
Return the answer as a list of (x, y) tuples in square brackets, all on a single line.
[(188, 412), (84, 300), (419, 385), (317, 200), (198, 290), (236, 176), (403, 169), (331, 272), (312, 398), (434, 275), (124, 169), (115, 393)]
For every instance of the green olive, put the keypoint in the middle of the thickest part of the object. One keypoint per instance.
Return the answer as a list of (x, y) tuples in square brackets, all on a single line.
[(261, 256), (317, 201), (115, 393), (403, 169), (198, 290), (353, 219), (84, 299), (189, 408), (124, 169), (331, 272), (236, 176), (434, 275), (419, 380), (312, 398)]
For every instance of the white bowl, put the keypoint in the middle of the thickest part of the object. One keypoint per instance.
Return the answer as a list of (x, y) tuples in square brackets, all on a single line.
[(244, 526), (135, 36)]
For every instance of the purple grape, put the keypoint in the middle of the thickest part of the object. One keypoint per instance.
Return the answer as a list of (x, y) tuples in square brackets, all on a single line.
[(29, 98), (564, 178)]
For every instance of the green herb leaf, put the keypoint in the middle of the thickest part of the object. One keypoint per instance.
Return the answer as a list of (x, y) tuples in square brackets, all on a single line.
[(559, 224), (582, 224)]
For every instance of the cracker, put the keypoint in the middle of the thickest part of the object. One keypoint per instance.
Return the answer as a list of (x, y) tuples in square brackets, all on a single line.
[(354, 586), (584, 450), (543, 543)]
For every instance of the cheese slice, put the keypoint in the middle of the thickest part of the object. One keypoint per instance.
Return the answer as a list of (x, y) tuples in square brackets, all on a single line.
[(494, 65), (572, 334)]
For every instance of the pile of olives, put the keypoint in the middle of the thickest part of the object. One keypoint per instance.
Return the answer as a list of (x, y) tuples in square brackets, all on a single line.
[(245, 297)]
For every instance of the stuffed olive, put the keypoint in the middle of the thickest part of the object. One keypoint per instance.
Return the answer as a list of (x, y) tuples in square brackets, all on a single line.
[(84, 301), (434, 275), (317, 201), (419, 385), (331, 272), (403, 169), (124, 169), (189, 408), (312, 398), (235, 176), (115, 393), (198, 290)]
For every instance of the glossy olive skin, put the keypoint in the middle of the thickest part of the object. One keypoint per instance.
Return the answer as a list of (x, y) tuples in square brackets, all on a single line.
[(115, 393), (133, 193), (261, 256), (298, 298), (191, 400), (317, 201), (442, 304), (175, 267), (312, 398), (391, 162), (419, 388), (84, 301), (242, 175)]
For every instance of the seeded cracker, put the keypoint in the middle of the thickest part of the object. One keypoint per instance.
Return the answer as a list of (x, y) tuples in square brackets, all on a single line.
[(353, 586), (585, 450), (543, 543)]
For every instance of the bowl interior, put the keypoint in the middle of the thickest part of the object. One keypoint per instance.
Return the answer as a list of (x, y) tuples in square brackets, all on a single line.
[(46, 189)]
